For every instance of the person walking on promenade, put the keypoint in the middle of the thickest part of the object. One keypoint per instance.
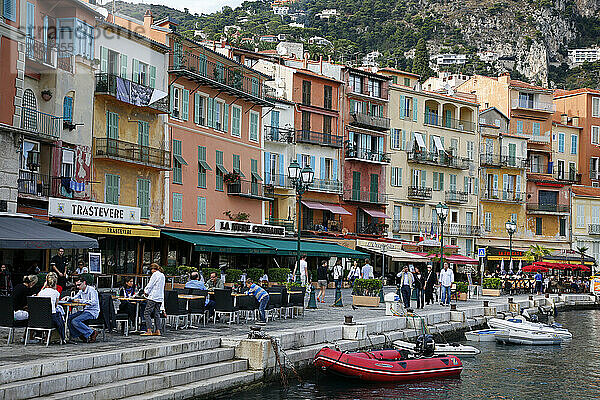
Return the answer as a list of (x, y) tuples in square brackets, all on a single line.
[(539, 279), (155, 292), (338, 274), (302, 270), (418, 286), (430, 278), (354, 273), (406, 282), (367, 271), (446, 279), (322, 281)]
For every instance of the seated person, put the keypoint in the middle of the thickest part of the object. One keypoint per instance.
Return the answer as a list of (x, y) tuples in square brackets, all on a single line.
[(88, 296), (214, 282), (49, 290), (19, 295), (264, 280), (262, 296), (129, 290), (81, 268), (195, 282)]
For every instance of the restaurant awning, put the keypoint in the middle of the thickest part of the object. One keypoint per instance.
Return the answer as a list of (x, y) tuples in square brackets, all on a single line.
[(107, 228), (453, 258), (20, 232), (376, 213), (333, 208), (204, 242), (401, 255), (314, 205), (287, 247)]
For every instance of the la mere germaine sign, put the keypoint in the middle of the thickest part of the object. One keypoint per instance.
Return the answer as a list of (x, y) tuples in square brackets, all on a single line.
[(246, 228)]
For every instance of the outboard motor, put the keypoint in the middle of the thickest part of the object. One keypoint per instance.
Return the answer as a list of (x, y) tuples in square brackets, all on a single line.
[(425, 345)]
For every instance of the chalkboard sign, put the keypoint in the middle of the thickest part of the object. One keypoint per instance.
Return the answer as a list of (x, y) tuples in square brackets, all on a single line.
[(95, 263)]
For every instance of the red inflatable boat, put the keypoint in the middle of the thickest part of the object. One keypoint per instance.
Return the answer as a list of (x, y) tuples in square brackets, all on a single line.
[(386, 365)]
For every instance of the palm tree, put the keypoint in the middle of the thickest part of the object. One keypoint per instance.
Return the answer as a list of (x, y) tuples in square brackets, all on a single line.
[(537, 252), (582, 250)]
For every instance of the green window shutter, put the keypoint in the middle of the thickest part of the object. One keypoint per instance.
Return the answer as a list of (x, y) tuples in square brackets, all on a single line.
[(423, 178), (177, 207), (143, 197), (253, 126), (136, 71), (201, 168), (225, 117), (112, 188), (197, 108), (402, 106), (253, 166), (415, 109), (152, 83), (235, 121), (201, 211), (236, 162), (185, 105), (103, 60), (441, 179), (143, 133), (171, 98), (124, 66), (466, 184), (210, 111)]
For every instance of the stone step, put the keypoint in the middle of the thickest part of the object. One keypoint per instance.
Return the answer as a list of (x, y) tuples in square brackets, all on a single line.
[(70, 364), (141, 386), (204, 388), (47, 385)]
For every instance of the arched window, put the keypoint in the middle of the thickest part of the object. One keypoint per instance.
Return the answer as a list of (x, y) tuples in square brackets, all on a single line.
[(29, 110), (68, 109)]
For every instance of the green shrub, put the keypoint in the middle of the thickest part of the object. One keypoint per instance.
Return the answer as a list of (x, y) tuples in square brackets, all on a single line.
[(462, 287), (278, 274), (254, 274), (292, 285), (492, 283), (171, 270), (207, 271), (232, 275), (367, 287), (184, 269)]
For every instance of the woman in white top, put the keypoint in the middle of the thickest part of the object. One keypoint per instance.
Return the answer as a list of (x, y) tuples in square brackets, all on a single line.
[(49, 290), (354, 273)]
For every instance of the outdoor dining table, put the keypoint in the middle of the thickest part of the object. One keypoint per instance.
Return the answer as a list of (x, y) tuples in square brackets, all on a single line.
[(137, 301), (69, 305)]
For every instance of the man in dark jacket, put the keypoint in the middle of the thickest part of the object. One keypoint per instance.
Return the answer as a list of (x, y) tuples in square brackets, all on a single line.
[(430, 282), (58, 264)]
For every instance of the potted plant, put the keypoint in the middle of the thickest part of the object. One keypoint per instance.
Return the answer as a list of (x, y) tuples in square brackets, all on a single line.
[(232, 177), (462, 289), (491, 287), (254, 274), (232, 276), (47, 94), (366, 292), (278, 276)]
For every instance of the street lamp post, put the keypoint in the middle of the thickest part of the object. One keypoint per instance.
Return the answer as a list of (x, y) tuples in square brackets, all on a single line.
[(301, 178), (442, 212), (511, 228)]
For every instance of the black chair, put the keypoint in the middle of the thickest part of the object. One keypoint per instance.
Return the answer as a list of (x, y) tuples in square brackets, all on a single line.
[(40, 317), (197, 311), (286, 308), (173, 309), (7, 317), (274, 306), (296, 300), (247, 306), (199, 292), (182, 290), (224, 305)]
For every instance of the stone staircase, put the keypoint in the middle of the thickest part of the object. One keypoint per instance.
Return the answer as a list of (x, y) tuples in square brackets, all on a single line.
[(175, 370)]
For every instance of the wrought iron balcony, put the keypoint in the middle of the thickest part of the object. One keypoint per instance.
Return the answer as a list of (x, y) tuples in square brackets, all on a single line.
[(39, 123), (568, 176), (418, 192), (440, 158), (48, 56), (451, 123), (406, 226), (367, 155), (277, 180), (535, 208), (110, 84), (251, 190), (370, 121), (277, 134), (453, 196), (533, 105), (326, 185), (594, 229), (502, 195), (365, 196), (132, 152), (288, 224), (324, 139), (496, 160), (43, 185)]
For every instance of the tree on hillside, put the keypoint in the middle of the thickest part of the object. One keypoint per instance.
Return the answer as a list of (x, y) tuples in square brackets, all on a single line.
[(421, 62)]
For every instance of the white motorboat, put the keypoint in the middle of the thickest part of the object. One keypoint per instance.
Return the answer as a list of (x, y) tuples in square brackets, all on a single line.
[(482, 335), (453, 349), (519, 323), (528, 338)]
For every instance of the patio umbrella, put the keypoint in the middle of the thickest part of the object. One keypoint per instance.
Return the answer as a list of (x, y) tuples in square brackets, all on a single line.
[(510, 267), (520, 266), (502, 267)]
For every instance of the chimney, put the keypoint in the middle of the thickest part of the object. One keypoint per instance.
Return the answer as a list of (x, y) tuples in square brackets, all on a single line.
[(321, 64), (564, 119), (148, 20), (504, 78), (305, 61), (575, 121)]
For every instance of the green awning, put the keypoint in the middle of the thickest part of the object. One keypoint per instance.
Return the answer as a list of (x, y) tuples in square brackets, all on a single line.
[(204, 165), (239, 172), (220, 244), (180, 159), (256, 176), (221, 168), (286, 247)]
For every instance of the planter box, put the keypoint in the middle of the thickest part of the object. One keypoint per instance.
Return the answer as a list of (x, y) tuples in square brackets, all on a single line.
[(345, 285), (491, 292), (331, 285), (462, 296), (365, 301), (228, 284)]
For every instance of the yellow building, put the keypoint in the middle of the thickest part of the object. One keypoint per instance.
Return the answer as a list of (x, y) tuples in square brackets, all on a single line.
[(433, 149), (565, 150), (585, 221)]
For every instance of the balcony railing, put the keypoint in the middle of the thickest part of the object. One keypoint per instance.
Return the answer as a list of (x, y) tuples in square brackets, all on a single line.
[(111, 84), (365, 196), (454, 196), (48, 55), (278, 180), (496, 160), (451, 123), (41, 123), (594, 229), (277, 134), (502, 195), (418, 192), (34, 183), (251, 189), (432, 227), (288, 224), (325, 139), (127, 151), (594, 174), (367, 155), (540, 168), (370, 121), (326, 185), (383, 92), (548, 208), (438, 158), (541, 138), (568, 176), (230, 79), (533, 105)]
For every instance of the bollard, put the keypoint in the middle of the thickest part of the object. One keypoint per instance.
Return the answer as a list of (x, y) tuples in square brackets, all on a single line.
[(486, 303), (338, 297), (348, 320), (547, 295), (452, 307), (312, 301), (510, 300), (381, 299), (531, 297)]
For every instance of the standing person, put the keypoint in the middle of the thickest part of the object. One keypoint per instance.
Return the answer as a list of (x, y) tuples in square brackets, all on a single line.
[(6, 286), (539, 279), (446, 279), (261, 296), (155, 292), (88, 296), (303, 270), (367, 271), (354, 273), (430, 282), (322, 280), (58, 264), (49, 290), (338, 274), (419, 286), (406, 282)]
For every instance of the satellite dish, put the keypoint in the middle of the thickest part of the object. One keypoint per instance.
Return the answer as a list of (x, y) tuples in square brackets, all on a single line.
[(103, 11), (279, 92), (282, 51)]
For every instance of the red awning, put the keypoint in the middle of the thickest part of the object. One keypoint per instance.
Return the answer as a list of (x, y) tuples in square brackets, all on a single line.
[(375, 213), (334, 208), (453, 258), (314, 205), (533, 268)]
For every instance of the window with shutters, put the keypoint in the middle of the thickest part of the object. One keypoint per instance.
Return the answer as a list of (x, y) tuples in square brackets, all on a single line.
[(396, 139), (201, 211), (218, 113), (396, 177), (255, 87), (200, 101), (68, 109), (111, 188), (561, 142), (176, 101), (406, 81), (177, 215), (253, 135), (141, 72), (488, 221), (306, 95), (67, 165), (355, 185), (327, 97), (595, 134), (470, 150), (538, 226), (112, 125), (10, 10), (596, 107), (374, 195), (236, 165), (254, 177), (374, 88), (574, 144), (355, 82), (144, 140), (203, 167), (177, 162), (143, 197), (236, 121), (220, 170)]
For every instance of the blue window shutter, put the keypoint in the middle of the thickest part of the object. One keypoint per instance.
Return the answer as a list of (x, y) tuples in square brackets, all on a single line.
[(10, 10), (313, 163), (226, 117), (172, 98), (281, 170), (322, 174), (299, 159), (380, 144), (402, 106), (334, 172), (196, 108), (209, 113), (68, 109), (185, 108), (415, 109), (103, 56), (267, 167)]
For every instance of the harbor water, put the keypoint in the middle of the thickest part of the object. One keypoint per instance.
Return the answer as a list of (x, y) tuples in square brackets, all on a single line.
[(569, 371)]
